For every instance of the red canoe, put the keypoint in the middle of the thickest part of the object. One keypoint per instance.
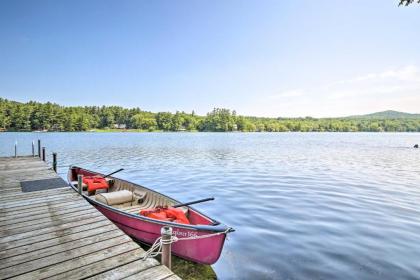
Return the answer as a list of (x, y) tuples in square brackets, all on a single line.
[(121, 202)]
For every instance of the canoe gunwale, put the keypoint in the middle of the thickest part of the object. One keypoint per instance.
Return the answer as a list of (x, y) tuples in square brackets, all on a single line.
[(216, 227)]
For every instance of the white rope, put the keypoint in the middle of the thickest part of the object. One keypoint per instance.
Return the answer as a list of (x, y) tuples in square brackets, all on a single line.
[(156, 248)]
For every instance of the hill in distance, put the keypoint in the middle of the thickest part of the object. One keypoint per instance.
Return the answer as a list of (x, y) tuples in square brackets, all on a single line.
[(389, 114)]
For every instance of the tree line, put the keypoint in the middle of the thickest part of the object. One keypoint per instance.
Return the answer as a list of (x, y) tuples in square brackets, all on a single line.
[(30, 116)]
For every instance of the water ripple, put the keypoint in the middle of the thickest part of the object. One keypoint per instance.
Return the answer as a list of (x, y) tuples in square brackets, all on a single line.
[(305, 205)]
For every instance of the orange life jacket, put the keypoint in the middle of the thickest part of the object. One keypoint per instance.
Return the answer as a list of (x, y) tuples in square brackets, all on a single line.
[(95, 183), (166, 214)]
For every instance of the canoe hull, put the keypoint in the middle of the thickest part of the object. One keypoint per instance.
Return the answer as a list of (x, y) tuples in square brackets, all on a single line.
[(205, 250)]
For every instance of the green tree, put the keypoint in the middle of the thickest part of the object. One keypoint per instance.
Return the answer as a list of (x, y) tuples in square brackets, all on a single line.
[(107, 118), (164, 120), (219, 120), (190, 121), (35, 116), (144, 120), (82, 122), (177, 122)]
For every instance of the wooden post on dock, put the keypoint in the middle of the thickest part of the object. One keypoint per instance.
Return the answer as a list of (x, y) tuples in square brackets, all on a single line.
[(55, 162), (43, 153), (80, 183), (39, 148), (33, 148), (16, 149), (166, 234)]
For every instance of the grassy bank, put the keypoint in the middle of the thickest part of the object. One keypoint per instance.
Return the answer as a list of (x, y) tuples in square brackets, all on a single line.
[(188, 270), (122, 130), (136, 130), (192, 271)]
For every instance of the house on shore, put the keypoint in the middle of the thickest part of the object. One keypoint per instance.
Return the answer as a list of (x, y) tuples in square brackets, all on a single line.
[(120, 126)]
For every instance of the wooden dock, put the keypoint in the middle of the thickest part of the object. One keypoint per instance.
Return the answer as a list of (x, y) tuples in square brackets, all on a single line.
[(56, 234)]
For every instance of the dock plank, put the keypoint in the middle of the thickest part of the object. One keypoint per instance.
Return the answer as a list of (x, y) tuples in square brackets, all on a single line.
[(159, 272), (14, 219), (37, 264), (99, 268), (80, 261), (46, 220), (11, 214), (56, 234), (38, 200), (18, 196), (173, 277), (60, 248), (94, 229), (13, 241), (50, 226), (33, 207), (126, 270)]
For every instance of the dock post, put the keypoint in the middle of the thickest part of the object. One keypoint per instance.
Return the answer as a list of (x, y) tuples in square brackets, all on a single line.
[(55, 162), (43, 153), (39, 148), (166, 234), (16, 149), (33, 148), (80, 183)]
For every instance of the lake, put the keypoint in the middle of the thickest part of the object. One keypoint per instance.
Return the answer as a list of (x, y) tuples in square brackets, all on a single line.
[(304, 205)]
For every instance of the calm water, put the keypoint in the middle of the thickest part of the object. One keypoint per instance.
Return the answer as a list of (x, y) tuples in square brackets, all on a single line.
[(304, 205)]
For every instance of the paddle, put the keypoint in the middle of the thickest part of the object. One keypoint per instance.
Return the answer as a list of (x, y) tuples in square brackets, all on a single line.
[(193, 202), (121, 169)]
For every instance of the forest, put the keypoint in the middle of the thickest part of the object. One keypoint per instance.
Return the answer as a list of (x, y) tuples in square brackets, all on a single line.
[(35, 116)]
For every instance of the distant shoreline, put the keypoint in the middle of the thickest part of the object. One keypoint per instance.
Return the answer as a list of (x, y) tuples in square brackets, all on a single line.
[(34, 116), (194, 131)]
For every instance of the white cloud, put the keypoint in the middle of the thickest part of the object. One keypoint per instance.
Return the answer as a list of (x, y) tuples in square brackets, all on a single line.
[(401, 81), (409, 74), (392, 89)]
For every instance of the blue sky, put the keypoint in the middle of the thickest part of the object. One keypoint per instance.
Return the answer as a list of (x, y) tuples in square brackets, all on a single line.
[(263, 58)]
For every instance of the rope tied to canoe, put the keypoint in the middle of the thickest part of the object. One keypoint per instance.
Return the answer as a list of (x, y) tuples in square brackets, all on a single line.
[(156, 248)]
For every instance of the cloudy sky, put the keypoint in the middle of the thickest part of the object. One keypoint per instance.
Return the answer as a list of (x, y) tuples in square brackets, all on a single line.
[(262, 58)]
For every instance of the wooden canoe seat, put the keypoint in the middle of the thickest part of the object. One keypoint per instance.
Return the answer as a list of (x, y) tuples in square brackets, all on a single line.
[(139, 196)]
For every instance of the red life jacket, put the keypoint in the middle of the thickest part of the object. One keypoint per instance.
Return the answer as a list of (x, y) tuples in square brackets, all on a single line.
[(166, 214), (95, 183)]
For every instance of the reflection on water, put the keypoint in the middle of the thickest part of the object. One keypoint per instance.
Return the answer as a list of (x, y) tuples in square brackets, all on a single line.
[(304, 205)]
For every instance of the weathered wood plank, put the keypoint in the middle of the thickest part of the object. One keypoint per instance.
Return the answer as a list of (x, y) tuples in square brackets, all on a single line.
[(46, 222), (18, 167), (126, 270), (52, 240), (9, 189), (12, 213), (76, 262), (22, 196), (21, 216), (57, 234), (104, 266), (25, 195), (157, 273), (173, 277), (7, 240), (40, 200), (31, 207), (61, 247), (49, 261), (14, 179), (50, 226)]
